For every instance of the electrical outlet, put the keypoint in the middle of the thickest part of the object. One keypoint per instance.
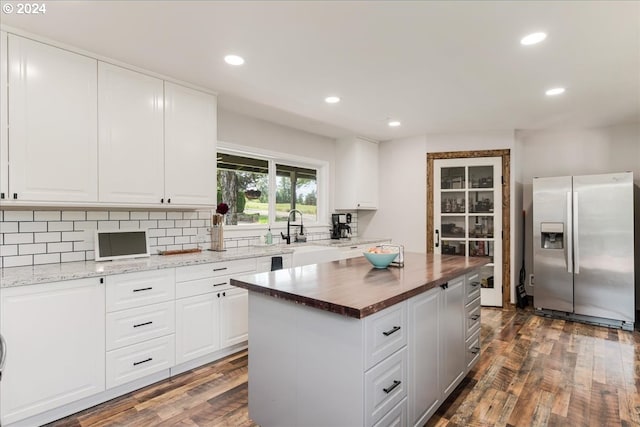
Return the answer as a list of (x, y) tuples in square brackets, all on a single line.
[(531, 281)]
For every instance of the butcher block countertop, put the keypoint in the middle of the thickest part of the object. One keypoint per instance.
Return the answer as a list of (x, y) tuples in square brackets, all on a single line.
[(353, 287)]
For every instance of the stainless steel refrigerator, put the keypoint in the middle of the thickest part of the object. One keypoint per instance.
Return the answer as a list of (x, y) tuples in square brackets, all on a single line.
[(583, 248)]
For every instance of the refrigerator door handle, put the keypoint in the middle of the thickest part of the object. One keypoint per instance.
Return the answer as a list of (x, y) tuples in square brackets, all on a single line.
[(576, 232), (569, 235)]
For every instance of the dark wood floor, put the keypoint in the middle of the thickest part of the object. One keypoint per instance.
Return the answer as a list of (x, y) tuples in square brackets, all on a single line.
[(534, 371)]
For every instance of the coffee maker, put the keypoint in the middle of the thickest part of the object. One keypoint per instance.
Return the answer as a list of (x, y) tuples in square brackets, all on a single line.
[(339, 227)]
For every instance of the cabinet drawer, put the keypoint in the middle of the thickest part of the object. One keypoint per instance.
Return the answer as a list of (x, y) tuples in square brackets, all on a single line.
[(202, 271), (138, 360), (397, 417), (135, 325), (472, 313), (385, 333), (473, 350), (142, 288), (473, 286), (202, 286), (385, 385)]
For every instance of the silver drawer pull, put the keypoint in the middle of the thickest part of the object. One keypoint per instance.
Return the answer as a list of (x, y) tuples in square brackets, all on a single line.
[(220, 284), (475, 317), (391, 331), (220, 269), (142, 289), (389, 389), (142, 361), (142, 324), (353, 247), (475, 350), (475, 284)]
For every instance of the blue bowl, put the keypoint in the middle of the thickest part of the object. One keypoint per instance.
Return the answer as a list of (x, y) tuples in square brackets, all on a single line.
[(380, 260)]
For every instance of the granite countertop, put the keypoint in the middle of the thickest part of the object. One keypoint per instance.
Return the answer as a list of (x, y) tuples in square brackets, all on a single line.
[(353, 287), (31, 275)]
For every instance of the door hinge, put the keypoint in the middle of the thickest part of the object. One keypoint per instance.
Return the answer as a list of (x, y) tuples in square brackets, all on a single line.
[(502, 179), (502, 235)]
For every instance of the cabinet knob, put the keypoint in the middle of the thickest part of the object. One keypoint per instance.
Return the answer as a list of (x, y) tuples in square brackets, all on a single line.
[(168, 200), (102, 280), (162, 200), (15, 195), (1, 195), (224, 294)]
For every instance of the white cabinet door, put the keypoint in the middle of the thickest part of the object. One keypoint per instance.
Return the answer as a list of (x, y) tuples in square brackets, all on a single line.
[(356, 174), (452, 335), (4, 127), (55, 346), (234, 317), (197, 326), (190, 146), (425, 394), (52, 116), (130, 138)]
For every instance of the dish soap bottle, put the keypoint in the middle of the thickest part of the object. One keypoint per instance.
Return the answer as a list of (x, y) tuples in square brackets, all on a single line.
[(269, 237)]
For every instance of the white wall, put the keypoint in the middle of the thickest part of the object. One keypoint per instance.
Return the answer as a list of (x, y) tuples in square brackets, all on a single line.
[(245, 130), (577, 152), (403, 176), (402, 195)]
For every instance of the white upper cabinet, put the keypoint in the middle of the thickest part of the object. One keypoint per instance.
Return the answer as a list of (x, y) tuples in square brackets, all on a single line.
[(131, 146), (356, 174), (190, 146), (4, 130), (52, 141)]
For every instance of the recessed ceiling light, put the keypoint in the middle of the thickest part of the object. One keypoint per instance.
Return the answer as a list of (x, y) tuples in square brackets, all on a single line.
[(234, 60), (533, 38), (555, 91), (332, 99), (394, 123)]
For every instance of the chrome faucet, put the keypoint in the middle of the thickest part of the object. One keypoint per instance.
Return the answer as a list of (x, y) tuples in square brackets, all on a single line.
[(298, 237)]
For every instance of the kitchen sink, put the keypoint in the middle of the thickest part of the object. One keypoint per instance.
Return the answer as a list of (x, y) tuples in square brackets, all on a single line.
[(311, 254)]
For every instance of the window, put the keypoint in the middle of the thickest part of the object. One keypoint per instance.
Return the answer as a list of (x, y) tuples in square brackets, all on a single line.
[(261, 189), (296, 188)]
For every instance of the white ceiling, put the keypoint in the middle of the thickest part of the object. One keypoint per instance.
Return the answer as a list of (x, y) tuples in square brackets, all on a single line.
[(435, 66)]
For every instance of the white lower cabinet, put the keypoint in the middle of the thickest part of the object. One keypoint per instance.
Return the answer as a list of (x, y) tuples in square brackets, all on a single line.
[(425, 394), (140, 325), (234, 317), (55, 346), (452, 335), (197, 330), (139, 360), (210, 313), (397, 417)]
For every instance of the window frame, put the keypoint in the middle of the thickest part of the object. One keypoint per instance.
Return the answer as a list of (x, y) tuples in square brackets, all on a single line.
[(273, 158)]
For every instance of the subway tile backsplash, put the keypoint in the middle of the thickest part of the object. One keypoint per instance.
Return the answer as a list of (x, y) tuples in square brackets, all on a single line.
[(47, 237)]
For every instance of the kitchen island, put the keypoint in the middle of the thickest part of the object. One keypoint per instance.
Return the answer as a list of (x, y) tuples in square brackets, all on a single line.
[(344, 344)]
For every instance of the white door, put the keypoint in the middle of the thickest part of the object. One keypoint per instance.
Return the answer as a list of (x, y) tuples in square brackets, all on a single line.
[(467, 206), (197, 326), (55, 335), (190, 146), (130, 136), (234, 317), (53, 121)]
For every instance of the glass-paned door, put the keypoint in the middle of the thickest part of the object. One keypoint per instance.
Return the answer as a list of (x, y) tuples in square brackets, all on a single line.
[(467, 206)]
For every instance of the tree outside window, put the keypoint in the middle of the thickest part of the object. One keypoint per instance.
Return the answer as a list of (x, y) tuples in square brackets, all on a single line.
[(243, 184)]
